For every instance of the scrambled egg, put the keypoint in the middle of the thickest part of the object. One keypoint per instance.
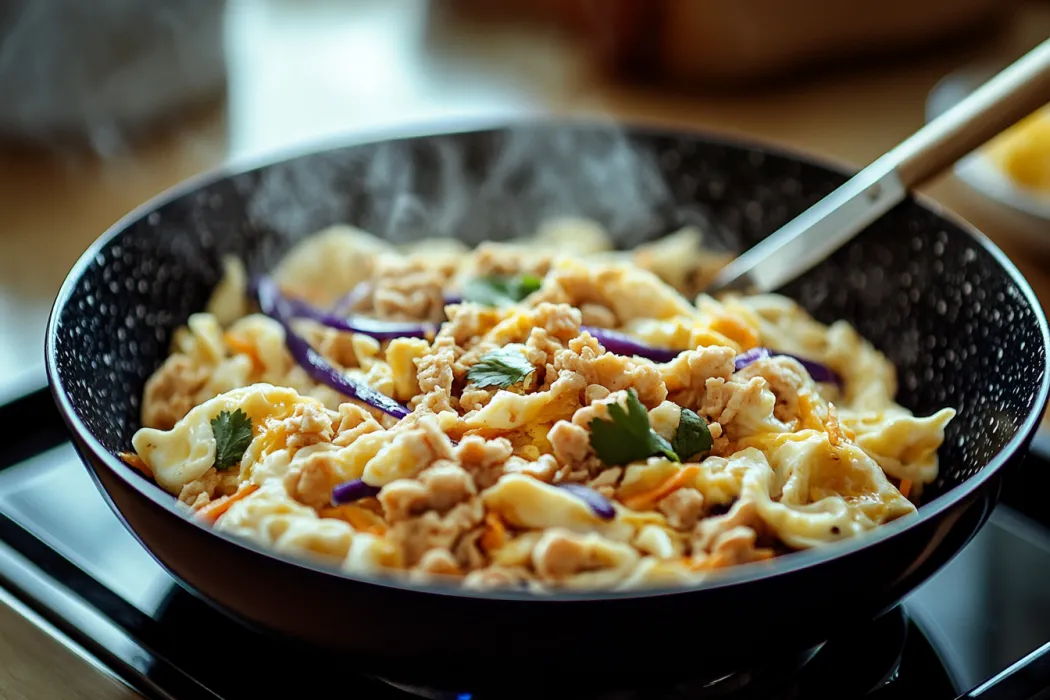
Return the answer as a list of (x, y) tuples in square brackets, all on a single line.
[(531, 455), (183, 454)]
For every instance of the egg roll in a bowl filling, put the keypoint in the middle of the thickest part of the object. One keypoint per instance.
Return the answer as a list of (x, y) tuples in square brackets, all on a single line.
[(546, 413)]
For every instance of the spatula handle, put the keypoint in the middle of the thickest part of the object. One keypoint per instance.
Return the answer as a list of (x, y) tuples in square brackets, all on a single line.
[(1004, 100), (822, 229)]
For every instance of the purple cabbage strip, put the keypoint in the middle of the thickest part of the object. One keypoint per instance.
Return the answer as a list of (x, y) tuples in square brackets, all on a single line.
[(380, 330), (281, 309), (753, 355), (597, 502), (353, 491), (818, 371), (347, 302), (623, 344)]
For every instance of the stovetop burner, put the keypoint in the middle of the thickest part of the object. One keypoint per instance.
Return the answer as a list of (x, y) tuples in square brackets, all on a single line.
[(730, 686), (66, 556), (853, 666)]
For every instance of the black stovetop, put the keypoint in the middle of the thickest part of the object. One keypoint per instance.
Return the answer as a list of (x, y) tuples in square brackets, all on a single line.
[(68, 557)]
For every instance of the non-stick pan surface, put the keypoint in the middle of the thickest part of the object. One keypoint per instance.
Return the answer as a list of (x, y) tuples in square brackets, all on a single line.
[(957, 319)]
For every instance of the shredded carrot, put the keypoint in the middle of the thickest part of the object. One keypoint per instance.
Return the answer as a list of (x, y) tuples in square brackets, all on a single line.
[(273, 434), (832, 426), (694, 564), (721, 560), (240, 346), (736, 330), (495, 533), (370, 505), (807, 416), (360, 519), (718, 560), (648, 499), (905, 487), (764, 554), (135, 462), (487, 433), (215, 510)]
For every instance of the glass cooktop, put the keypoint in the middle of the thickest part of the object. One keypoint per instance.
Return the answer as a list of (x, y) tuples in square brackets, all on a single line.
[(66, 555)]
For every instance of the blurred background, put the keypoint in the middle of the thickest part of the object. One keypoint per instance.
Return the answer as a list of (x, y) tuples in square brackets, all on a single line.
[(106, 104)]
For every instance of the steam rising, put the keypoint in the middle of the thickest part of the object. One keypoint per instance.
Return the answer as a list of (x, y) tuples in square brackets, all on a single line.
[(486, 186)]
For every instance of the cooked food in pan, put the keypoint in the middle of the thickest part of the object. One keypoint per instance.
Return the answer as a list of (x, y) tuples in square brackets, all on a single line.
[(546, 413)]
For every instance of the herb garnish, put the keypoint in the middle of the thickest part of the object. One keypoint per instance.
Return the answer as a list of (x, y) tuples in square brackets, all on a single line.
[(692, 437), (503, 368), (628, 436), (233, 434), (500, 290)]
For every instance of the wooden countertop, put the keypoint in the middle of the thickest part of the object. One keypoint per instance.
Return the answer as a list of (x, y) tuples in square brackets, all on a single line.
[(340, 67), (36, 665)]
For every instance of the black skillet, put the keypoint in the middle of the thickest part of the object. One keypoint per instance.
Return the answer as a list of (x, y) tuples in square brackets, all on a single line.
[(960, 323)]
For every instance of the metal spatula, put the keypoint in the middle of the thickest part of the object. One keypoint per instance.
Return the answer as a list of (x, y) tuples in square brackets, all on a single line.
[(808, 239)]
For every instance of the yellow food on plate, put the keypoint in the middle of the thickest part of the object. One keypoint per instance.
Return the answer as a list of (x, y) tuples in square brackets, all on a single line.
[(547, 414), (1022, 152)]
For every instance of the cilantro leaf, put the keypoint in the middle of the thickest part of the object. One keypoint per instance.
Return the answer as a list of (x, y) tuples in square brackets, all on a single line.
[(692, 437), (628, 437), (233, 434), (503, 368), (500, 290)]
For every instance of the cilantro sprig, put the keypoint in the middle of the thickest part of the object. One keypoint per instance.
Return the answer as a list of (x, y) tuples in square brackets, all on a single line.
[(628, 437), (501, 368), (500, 290), (233, 434)]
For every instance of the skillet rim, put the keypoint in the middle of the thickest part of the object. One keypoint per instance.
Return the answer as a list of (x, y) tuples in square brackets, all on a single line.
[(783, 565)]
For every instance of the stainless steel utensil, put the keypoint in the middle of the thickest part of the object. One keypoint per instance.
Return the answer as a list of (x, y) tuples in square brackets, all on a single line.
[(818, 232)]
